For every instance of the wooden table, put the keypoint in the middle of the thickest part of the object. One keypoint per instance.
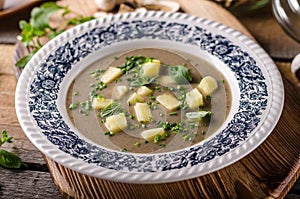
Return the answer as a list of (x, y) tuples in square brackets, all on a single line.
[(269, 171)]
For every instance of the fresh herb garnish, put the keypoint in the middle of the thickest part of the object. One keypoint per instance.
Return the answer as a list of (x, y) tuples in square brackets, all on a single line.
[(8, 159), (5, 138), (208, 97), (173, 113), (137, 144), (163, 145), (100, 86), (133, 62), (159, 137), (24, 60), (38, 27), (190, 136), (180, 74), (96, 74), (168, 126), (86, 105), (79, 20), (112, 109), (109, 133), (73, 106), (153, 105), (142, 81), (198, 114)]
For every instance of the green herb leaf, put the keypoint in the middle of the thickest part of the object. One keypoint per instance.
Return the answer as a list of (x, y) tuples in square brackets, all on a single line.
[(53, 34), (9, 160), (198, 115), (5, 138), (28, 32), (38, 26), (180, 74), (112, 109), (79, 20), (141, 81), (66, 11), (24, 60), (40, 15), (73, 106)]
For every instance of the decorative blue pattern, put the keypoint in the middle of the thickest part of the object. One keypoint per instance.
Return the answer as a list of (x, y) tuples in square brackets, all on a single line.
[(46, 84)]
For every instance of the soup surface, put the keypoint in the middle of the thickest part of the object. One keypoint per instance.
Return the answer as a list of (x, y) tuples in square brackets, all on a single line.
[(182, 125)]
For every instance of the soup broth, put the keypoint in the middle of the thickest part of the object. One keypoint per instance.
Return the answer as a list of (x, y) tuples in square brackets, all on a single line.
[(182, 131)]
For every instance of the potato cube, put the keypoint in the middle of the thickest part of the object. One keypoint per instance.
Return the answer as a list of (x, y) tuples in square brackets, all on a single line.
[(111, 74), (194, 99), (207, 85), (144, 91), (151, 69), (168, 101), (101, 103), (120, 91), (116, 123), (151, 133), (134, 98), (142, 112)]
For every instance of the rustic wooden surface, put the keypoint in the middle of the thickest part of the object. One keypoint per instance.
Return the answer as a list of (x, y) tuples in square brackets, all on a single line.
[(36, 181), (269, 34), (269, 171)]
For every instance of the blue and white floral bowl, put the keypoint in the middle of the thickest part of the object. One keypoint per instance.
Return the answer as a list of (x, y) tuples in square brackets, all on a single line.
[(255, 83)]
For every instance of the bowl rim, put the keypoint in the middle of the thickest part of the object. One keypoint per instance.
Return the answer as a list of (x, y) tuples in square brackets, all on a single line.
[(158, 176)]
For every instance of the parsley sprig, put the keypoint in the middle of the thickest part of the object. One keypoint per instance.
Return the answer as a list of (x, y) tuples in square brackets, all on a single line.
[(38, 27), (8, 159)]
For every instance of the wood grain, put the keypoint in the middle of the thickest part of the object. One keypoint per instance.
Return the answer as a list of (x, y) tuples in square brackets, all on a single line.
[(35, 181), (260, 23), (27, 184), (269, 34), (249, 177), (269, 171), (213, 11)]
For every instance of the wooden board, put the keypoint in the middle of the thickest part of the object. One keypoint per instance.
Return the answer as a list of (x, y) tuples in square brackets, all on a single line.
[(27, 184), (269, 171), (269, 34), (35, 181), (213, 11), (17, 9)]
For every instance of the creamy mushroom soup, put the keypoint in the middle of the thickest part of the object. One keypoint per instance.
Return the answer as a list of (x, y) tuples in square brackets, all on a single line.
[(148, 101)]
